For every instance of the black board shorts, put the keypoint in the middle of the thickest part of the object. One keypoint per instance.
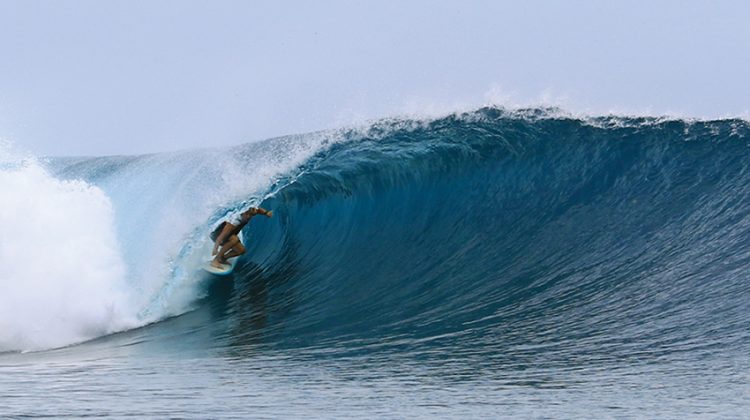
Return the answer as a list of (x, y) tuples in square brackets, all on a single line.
[(216, 232)]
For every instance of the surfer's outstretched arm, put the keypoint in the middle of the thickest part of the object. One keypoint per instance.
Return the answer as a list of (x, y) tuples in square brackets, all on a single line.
[(264, 212)]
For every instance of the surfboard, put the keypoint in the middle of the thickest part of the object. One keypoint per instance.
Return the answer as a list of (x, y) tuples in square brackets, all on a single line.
[(225, 271)]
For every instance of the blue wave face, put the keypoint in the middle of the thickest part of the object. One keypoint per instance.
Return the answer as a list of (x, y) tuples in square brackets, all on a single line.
[(480, 235), (487, 234)]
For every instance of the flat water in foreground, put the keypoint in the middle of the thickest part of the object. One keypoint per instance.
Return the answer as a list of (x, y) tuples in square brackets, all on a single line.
[(134, 375)]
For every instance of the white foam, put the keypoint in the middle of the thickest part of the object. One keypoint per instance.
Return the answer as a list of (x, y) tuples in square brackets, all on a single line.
[(62, 279)]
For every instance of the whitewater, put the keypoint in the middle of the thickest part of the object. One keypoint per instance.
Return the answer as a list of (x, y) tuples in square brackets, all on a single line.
[(491, 263)]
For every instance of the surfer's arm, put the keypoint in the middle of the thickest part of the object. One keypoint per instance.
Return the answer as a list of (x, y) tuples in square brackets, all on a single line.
[(264, 212)]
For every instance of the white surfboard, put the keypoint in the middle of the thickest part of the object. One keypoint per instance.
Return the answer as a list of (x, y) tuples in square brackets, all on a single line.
[(224, 271)]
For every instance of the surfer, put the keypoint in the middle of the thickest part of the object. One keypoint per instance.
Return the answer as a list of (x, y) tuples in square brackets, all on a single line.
[(226, 240)]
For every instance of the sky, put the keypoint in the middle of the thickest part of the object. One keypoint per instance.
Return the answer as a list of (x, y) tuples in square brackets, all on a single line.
[(126, 77)]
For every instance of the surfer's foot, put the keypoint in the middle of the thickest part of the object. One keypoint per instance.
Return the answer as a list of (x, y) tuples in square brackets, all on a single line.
[(217, 264)]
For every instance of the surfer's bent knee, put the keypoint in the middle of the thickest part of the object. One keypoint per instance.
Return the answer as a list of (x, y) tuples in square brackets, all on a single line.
[(232, 241)]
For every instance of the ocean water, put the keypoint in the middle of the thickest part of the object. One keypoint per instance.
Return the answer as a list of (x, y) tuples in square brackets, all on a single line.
[(486, 264)]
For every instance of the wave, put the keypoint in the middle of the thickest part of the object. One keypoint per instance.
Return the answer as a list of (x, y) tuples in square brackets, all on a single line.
[(492, 231), (488, 233)]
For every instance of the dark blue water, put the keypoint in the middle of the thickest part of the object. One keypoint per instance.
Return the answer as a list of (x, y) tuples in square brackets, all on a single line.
[(488, 264)]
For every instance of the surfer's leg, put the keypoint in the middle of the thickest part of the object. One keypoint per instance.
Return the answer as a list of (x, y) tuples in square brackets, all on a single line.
[(237, 250), (218, 260), (215, 263), (227, 248)]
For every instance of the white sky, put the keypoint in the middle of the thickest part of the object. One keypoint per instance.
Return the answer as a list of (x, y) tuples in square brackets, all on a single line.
[(113, 77)]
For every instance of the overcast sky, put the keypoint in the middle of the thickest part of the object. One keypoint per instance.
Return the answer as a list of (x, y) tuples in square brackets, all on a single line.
[(113, 77)]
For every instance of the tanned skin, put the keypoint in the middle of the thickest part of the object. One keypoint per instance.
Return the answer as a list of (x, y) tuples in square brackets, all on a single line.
[(227, 244)]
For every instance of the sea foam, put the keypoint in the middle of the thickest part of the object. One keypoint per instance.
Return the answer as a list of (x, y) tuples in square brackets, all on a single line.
[(61, 272)]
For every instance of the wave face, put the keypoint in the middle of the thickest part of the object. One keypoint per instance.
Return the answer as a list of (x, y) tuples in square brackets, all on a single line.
[(491, 238), (525, 239)]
